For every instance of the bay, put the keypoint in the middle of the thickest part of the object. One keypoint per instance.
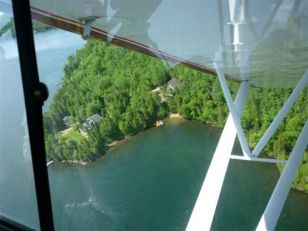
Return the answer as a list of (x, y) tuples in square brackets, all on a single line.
[(151, 182)]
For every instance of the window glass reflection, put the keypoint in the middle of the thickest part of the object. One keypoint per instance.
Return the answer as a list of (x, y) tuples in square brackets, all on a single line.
[(17, 190)]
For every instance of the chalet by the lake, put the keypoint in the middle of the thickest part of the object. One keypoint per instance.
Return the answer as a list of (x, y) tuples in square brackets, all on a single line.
[(92, 120)]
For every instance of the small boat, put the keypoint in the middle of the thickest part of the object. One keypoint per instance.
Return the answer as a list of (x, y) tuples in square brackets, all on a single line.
[(58, 82), (49, 163)]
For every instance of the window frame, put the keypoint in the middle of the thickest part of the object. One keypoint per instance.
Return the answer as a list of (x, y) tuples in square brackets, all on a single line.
[(35, 93)]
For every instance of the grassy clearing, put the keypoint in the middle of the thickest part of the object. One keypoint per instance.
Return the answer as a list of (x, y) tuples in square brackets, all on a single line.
[(71, 134)]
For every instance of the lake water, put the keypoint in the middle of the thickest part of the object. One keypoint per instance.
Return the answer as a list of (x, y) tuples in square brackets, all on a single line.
[(147, 182)]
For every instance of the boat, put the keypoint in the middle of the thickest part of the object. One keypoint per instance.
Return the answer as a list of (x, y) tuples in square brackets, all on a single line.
[(59, 82)]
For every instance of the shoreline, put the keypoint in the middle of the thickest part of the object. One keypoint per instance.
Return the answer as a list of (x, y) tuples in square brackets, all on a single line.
[(114, 144), (83, 163), (110, 146)]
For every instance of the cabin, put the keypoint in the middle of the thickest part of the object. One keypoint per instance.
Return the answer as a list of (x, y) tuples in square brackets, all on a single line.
[(94, 119), (173, 84)]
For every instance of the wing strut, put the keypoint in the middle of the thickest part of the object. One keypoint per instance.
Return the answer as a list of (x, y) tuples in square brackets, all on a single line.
[(274, 207), (205, 206), (281, 114)]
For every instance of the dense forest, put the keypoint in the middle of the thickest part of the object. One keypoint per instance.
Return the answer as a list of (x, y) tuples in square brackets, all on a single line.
[(118, 84), (109, 81), (37, 27)]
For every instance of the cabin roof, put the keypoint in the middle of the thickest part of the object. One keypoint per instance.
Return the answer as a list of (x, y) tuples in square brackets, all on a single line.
[(174, 83), (96, 118), (66, 117)]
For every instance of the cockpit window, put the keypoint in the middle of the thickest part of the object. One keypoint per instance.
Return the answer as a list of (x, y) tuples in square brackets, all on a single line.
[(17, 190)]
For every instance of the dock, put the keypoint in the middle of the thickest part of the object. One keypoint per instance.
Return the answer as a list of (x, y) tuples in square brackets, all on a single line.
[(49, 163)]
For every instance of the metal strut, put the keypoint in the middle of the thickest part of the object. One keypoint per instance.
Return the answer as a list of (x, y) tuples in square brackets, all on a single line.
[(205, 206), (88, 21), (281, 114), (274, 207), (248, 155), (233, 111)]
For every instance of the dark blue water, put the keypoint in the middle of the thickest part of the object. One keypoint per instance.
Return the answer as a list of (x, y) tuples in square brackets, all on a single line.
[(151, 182)]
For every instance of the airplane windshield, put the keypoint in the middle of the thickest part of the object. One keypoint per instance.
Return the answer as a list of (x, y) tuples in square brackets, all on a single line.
[(161, 115)]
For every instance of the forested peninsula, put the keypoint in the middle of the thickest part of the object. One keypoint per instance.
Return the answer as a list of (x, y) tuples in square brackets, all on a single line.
[(37, 27), (117, 86)]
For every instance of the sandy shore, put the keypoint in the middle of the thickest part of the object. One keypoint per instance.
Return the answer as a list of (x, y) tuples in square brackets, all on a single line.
[(112, 143), (175, 115)]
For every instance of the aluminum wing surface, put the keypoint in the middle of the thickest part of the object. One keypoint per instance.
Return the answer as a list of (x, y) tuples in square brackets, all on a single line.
[(265, 40)]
